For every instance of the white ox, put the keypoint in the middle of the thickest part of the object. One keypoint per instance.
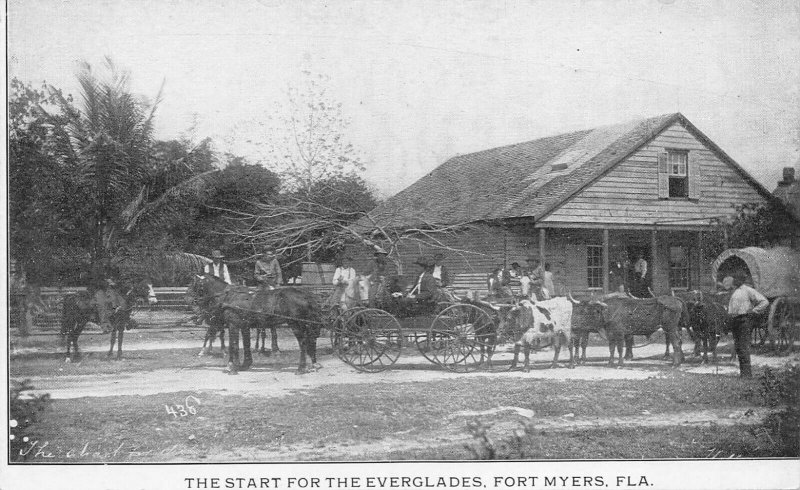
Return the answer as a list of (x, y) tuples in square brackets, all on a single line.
[(550, 319)]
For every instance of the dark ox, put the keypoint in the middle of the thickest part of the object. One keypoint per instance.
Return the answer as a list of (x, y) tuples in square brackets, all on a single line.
[(708, 317), (622, 318)]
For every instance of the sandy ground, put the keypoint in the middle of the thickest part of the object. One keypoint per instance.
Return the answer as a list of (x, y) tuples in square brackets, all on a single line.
[(275, 376)]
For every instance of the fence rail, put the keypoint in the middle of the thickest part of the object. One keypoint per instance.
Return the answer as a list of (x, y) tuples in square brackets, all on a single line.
[(171, 311)]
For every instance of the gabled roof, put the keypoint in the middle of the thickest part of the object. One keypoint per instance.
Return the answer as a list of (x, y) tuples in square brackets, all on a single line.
[(523, 180)]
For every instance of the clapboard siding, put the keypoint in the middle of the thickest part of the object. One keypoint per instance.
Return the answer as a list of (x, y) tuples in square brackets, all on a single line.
[(628, 194)]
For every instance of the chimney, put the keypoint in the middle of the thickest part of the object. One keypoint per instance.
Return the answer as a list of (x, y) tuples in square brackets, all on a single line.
[(788, 176)]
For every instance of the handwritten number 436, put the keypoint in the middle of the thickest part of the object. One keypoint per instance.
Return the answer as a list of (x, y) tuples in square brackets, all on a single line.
[(184, 410)]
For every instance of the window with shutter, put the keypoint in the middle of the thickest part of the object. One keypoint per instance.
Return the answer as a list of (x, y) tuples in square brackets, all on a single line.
[(674, 174), (694, 176), (663, 176)]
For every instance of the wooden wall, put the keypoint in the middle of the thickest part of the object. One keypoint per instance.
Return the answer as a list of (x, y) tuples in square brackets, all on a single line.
[(628, 194), (566, 251)]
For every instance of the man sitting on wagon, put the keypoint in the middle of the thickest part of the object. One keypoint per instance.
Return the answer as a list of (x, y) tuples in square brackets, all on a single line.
[(268, 270), (422, 298)]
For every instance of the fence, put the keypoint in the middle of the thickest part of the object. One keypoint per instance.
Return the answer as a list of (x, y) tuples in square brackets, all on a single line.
[(172, 309)]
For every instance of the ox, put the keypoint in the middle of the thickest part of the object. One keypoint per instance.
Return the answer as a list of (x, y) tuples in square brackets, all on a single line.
[(708, 317), (529, 322), (622, 318)]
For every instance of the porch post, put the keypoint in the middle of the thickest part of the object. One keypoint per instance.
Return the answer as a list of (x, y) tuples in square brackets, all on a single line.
[(654, 261), (700, 259), (542, 245), (605, 260)]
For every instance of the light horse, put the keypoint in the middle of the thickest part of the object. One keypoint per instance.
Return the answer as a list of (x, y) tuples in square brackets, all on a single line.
[(242, 311)]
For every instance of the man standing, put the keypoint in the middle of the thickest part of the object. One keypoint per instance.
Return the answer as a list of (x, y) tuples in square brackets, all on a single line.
[(268, 270), (376, 275), (218, 267), (537, 277), (742, 315), (548, 286), (345, 280), (641, 287)]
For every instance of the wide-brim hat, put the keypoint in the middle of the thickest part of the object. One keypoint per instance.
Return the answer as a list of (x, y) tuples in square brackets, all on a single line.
[(423, 261), (269, 251), (217, 254), (380, 251)]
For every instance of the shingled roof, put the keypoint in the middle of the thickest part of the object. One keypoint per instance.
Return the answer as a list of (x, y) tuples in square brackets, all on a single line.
[(522, 180)]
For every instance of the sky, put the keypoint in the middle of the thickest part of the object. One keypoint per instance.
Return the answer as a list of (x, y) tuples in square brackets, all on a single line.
[(422, 81)]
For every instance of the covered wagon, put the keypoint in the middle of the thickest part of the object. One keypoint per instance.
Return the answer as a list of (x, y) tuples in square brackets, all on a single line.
[(775, 273)]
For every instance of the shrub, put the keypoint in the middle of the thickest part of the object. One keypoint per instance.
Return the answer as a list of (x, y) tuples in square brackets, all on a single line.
[(781, 388), (24, 412)]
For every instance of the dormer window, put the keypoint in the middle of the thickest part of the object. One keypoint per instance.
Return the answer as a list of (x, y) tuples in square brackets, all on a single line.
[(678, 163)]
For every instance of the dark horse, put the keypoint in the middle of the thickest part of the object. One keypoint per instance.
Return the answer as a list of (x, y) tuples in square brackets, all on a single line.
[(77, 310), (205, 310), (80, 308), (242, 311)]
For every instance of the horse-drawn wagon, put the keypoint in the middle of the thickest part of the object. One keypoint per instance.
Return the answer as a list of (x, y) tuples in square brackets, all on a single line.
[(459, 335), (775, 273)]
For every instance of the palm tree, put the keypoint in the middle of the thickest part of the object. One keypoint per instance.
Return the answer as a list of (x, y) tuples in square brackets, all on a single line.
[(108, 144)]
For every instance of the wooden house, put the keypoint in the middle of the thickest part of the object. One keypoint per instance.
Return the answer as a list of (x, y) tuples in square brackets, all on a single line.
[(586, 202)]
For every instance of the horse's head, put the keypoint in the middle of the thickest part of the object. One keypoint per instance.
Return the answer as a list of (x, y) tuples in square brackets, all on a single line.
[(204, 288)]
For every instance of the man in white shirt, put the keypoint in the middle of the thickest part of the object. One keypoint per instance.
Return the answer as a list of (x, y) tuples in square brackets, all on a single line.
[(218, 267), (743, 315), (345, 280)]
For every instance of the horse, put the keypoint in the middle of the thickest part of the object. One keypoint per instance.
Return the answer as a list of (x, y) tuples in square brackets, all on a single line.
[(204, 311), (242, 311), (79, 308), (77, 311)]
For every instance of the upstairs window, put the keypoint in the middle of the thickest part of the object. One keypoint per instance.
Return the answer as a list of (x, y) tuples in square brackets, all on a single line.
[(678, 165), (679, 174)]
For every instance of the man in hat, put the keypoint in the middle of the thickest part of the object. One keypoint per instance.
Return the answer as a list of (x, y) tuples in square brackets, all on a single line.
[(425, 290), (218, 267), (268, 270), (743, 315)]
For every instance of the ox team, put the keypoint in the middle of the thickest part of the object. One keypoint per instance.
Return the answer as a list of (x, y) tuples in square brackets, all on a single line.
[(537, 315)]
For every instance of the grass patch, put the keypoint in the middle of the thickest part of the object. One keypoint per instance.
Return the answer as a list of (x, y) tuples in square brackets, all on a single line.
[(140, 428)]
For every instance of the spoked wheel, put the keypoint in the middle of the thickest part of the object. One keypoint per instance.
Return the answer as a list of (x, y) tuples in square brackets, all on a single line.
[(759, 335), (460, 339), (368, 339), (782, 325)]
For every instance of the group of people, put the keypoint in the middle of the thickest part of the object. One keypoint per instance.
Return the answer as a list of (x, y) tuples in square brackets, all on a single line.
[(267, 272), (535, 281), (352, 288)]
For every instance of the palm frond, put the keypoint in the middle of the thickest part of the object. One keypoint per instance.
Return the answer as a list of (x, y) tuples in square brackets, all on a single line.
[(170, 202)]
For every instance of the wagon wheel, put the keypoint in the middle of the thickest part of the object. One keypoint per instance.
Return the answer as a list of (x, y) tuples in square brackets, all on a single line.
[(781, 325), (422, 340), (759, 334), (368, 339), (459, 337)]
